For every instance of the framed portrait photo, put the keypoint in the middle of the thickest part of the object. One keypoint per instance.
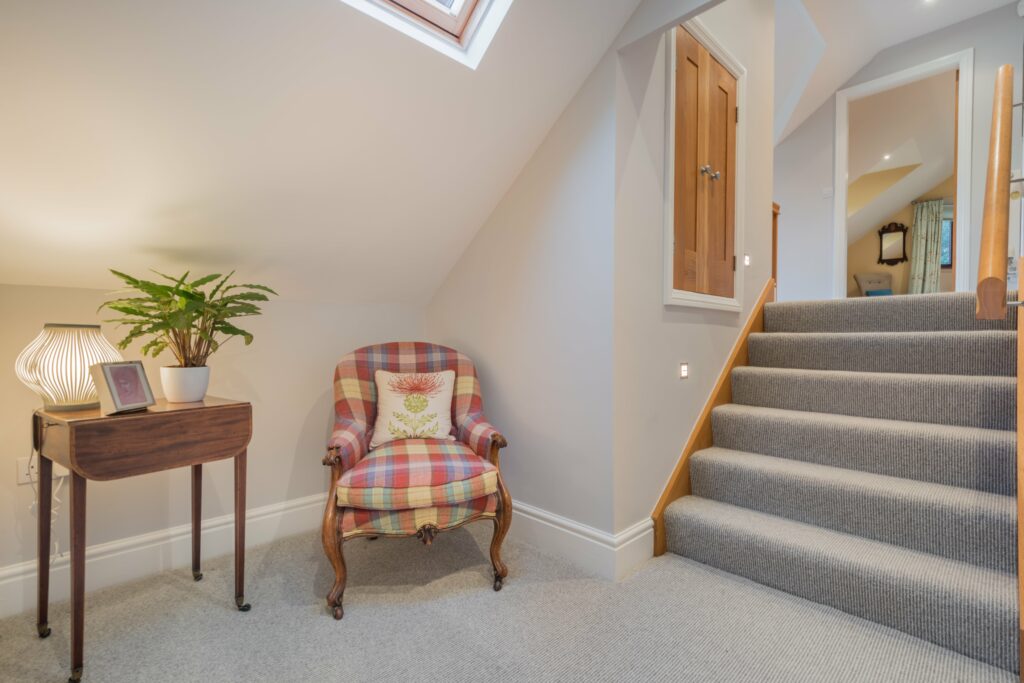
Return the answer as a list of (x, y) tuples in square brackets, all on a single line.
[(122, 387)]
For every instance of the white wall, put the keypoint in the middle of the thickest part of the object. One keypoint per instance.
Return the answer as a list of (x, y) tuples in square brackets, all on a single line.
[(804, 160), (286, 373), (654, 410), (530, 301), (559, 297)]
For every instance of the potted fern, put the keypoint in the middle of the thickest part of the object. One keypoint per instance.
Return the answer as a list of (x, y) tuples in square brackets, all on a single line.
[(190, 318)]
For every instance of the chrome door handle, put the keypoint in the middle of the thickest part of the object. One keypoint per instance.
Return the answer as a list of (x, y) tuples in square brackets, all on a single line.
[(706, 170)]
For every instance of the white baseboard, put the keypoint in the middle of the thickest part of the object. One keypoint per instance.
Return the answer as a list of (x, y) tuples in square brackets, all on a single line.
[(610, 556), (133, 558)]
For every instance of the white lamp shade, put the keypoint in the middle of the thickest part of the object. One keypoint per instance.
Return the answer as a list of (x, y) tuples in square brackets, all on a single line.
[(56, 365)]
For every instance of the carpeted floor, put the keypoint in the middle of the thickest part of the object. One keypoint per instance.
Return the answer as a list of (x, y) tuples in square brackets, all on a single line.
[(429, 614)]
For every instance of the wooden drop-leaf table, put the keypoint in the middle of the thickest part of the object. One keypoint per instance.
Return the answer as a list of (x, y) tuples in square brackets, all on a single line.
[(163, 437)]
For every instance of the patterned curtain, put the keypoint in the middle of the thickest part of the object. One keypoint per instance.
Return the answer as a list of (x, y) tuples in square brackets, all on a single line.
[(926, 248)]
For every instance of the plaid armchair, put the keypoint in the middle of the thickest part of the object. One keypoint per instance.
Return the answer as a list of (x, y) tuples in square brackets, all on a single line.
[(409, 487)]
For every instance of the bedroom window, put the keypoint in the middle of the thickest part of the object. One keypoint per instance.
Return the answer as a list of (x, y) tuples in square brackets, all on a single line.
[(947, 243)]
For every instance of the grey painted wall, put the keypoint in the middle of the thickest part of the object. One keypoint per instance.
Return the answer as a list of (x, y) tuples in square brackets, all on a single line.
[(559, 296), (655, 410), (531, 302)]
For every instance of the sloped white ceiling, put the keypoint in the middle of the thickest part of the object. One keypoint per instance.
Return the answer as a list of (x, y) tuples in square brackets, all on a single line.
[(302, 142), (854, 31)]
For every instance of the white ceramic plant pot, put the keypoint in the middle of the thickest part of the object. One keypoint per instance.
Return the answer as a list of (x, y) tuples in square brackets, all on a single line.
[(184, 385)]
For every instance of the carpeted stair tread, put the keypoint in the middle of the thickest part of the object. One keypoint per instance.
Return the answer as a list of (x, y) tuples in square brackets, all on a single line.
[(960, 606), (990, 353), (966, 457), (915, 313), (961, 524), (986, 402)]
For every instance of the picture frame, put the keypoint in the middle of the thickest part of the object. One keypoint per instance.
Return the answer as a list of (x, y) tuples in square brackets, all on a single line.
[(122, 387)]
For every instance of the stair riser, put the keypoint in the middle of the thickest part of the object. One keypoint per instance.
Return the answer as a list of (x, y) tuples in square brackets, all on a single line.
[(952, 353), (977, 459), (889, 314), (973, 527), (977, 621), (970, 402)]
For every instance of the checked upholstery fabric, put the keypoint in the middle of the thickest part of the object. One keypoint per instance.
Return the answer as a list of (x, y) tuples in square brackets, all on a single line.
[(403, 485)]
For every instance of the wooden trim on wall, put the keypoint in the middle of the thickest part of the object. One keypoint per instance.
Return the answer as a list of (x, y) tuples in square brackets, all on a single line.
[(700, 438), (776, 210)]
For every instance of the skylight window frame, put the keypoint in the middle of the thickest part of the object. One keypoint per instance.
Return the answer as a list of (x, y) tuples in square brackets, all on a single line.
[(453, 22), (468, 49)]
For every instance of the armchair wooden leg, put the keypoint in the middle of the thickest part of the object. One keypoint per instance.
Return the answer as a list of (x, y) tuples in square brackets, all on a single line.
[(332, 541), (501, 524)]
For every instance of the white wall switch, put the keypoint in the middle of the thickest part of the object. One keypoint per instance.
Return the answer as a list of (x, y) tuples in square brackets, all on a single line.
[(27, 475), (746, 259), (684, 370)]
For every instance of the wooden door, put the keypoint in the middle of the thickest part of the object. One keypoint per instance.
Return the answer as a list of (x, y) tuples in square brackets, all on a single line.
[(704, 171)]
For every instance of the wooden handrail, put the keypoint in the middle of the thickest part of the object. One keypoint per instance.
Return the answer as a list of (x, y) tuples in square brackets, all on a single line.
[(995, 225)]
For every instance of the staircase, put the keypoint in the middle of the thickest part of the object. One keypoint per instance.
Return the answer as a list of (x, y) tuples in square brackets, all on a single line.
[(867, 462)]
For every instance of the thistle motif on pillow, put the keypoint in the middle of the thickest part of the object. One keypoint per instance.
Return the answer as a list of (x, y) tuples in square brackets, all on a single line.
[(413, 405), (418, 389)]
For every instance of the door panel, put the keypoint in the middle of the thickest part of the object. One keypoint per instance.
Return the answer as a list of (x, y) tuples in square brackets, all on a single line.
[(705, 136), (720, 187), (688, 71)]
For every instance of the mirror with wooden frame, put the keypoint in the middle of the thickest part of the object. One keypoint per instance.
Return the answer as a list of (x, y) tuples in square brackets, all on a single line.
[(892, 244)]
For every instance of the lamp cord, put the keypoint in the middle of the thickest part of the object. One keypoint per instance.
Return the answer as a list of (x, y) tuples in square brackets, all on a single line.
[(55, 499)]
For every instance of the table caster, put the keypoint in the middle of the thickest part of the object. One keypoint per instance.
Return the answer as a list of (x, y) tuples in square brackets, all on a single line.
[(242, 605), (43, 630)]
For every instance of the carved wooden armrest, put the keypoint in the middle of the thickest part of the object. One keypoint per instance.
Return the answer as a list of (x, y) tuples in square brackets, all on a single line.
[(497, 443)]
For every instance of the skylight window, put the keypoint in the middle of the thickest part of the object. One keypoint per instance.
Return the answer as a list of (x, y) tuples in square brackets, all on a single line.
[(460, 29), (451, 16)]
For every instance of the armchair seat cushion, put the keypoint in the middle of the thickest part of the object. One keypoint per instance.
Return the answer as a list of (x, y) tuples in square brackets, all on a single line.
[(359, 522), (417, 473)]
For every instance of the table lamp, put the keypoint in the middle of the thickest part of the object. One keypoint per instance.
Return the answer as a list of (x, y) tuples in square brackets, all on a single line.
[(56, 365)]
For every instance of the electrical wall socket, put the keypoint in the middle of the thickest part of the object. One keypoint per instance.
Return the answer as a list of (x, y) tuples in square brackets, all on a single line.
[(27, 475)]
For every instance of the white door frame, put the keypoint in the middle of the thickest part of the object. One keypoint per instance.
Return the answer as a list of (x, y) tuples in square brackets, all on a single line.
[(964, 61)]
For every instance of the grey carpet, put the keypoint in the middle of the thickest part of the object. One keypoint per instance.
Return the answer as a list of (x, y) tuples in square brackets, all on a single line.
[(922, 313), (957, 605), (967, 457), (429, 614), (987, 402), (868, 463), (942, 353), (961, 524)]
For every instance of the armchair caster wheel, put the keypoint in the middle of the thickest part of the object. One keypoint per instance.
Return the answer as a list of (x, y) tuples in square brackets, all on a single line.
[(338, 612), (76, 675), (498, 583), (242, 605), (197, 576), (43, 630)]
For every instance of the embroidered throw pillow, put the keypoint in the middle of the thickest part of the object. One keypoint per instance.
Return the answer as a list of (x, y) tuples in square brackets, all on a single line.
[(413, 405)]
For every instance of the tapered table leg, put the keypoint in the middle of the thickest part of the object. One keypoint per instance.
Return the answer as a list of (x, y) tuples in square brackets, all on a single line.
[(197, 518), (240, 532), (77, 574), (43, 510)]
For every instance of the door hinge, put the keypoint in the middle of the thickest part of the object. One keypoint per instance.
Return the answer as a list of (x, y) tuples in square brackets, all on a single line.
[(737, 114), (734, 263)]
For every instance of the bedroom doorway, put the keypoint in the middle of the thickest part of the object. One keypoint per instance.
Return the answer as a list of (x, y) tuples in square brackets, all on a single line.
[(902, 196)]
